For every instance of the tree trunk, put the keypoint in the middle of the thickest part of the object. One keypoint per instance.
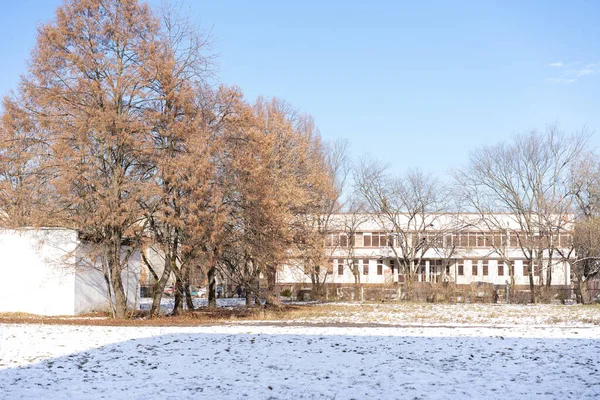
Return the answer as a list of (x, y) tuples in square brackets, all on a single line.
[(409, 281), (159, 288), (156, 288), (358, 292), (212, 287), (189, 302), (257, 299), (272, 296), (115, 267), (248, 298), (120, 297), (583, 290), (178, 306), (317, 285), (531, 286), (549, 271), (109, 291)]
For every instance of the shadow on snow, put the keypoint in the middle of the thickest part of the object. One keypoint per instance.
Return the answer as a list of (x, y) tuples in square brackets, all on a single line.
[(259, 365)]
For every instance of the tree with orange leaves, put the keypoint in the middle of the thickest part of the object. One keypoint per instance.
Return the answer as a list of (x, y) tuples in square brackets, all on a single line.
[(85, 97)]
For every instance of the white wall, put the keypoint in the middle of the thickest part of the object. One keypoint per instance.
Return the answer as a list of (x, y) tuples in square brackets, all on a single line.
[(46, 272), (37, 270), (91, 292), (156, 258)]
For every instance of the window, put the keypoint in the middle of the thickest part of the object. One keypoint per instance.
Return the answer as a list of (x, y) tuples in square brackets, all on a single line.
[(365, 267), (389, 241), (353, 266), (448, 240), (447, 269), (338, 239), (335, 239), (343, 240), (392, 265), (330, 267), (435, 239), (375, 239), (356, 239), (500, 268), (379, 239), (380, 267), (474, 266), (435, 266), (352, 240), (525, 268), (461, 268), (566, 240), (340, 267), (485, 267), (455, 240), (367, 240), (472, 239), (481, 240)]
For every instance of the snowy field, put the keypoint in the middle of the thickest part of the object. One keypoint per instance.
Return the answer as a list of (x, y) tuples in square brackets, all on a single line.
[(451, 314), (299, 362)]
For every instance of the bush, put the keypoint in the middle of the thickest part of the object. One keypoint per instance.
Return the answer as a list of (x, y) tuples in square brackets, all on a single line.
[(286, 293)]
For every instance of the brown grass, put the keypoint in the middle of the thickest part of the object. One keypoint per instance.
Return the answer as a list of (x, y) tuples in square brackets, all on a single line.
[(334, 313), (203, 316)]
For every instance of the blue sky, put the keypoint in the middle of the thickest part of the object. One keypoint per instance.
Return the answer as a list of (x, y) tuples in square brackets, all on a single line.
[(411, 83)]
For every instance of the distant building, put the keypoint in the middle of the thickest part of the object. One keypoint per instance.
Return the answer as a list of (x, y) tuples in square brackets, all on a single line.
[(455, 248)]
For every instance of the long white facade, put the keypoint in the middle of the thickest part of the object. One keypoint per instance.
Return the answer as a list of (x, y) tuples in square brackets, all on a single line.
[(459, 248)]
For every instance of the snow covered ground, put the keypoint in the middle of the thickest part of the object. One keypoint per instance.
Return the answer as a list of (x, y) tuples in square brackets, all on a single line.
[(167, 303), (299, 362), (448, 314)]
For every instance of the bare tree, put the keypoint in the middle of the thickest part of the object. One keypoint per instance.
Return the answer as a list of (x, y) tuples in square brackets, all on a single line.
[(409, 209), (319, 222), (585, 265), (526, 179), (583, 252), (349, 224)]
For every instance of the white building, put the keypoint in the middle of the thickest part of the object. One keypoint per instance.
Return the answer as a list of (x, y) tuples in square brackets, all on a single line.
[(52, 272), (456, 248)]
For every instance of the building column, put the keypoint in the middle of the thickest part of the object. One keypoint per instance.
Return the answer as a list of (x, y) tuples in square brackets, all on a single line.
[(427, 269)]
